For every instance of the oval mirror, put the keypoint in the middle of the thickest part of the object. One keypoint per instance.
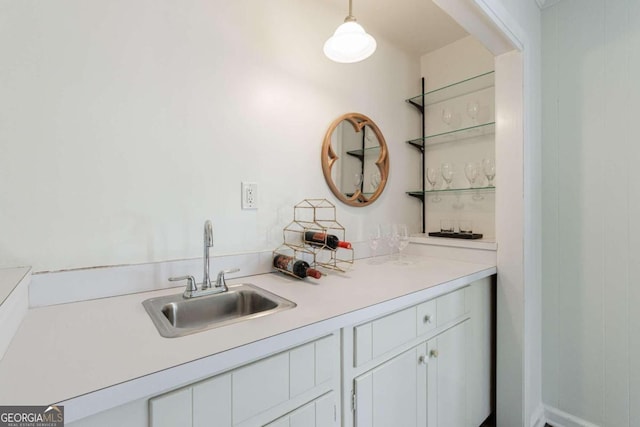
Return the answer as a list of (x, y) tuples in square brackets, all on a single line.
[(355, 159)]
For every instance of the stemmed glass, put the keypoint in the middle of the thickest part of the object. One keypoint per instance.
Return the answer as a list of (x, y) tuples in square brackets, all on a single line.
[(403, 241), (391, 237), (357, 182), (472, 172), (447, 116), (375, 235), (447, 174), (472, 110), (489, 168), (432, 178), (375, 181)]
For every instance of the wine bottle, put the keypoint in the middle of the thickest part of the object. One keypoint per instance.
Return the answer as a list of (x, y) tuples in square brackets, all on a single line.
[(297, 267), (317, 238)]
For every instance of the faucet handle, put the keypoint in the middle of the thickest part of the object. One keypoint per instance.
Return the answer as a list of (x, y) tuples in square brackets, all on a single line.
[(221, 282), (191, 282)]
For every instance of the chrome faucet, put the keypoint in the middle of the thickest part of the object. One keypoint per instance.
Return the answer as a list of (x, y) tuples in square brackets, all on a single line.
[(206, 288), (208, 243)]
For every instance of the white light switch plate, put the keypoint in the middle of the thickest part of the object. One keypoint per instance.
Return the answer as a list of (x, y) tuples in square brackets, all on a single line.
[(249, 195)]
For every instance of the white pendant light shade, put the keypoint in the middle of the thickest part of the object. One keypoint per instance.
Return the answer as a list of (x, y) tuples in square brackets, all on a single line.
[(350, 43)]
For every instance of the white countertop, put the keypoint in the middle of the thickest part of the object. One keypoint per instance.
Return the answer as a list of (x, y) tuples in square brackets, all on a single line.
[(64, 351)]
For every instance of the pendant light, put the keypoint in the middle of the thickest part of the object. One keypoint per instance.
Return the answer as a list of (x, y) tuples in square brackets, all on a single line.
[(350, 43)]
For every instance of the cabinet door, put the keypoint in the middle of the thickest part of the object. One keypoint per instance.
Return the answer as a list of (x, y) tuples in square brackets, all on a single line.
[(321, 412), (212, 402), (447, 378), (393, 393), (172, 409)]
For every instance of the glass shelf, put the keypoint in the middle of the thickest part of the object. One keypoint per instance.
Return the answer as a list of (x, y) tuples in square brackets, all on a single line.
[(455, 135), (454, 90), (361, 153), (421, 194)]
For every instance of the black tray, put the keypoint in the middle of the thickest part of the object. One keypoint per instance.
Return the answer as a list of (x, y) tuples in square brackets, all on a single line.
[(456, 235)]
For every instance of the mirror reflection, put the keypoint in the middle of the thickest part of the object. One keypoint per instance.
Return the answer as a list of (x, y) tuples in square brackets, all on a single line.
[(355, 159)]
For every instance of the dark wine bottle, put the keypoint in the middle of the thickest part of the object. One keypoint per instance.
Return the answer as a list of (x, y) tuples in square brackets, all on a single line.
[(297, 267), (317, 238)]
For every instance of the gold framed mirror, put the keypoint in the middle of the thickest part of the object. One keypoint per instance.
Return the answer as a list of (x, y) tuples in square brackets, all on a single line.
[(355, 159)]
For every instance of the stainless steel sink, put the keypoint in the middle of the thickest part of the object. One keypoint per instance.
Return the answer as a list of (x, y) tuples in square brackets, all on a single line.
[(175, 316)]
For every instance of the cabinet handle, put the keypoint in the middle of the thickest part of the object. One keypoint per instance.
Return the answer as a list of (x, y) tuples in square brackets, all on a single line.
[(422, 360), (427, 318), (433, 354)]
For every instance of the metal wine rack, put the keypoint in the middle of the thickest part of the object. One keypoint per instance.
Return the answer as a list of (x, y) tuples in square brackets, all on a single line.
[(318, 215)]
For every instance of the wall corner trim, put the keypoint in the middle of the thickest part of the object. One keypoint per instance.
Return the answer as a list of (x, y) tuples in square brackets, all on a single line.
[(538, 419), (558, 418), (543, 4)]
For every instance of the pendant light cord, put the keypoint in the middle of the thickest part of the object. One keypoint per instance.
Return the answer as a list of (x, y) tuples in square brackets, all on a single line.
[(350, 17)]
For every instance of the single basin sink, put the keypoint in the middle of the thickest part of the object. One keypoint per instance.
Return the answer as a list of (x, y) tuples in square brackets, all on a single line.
[(175, 316)]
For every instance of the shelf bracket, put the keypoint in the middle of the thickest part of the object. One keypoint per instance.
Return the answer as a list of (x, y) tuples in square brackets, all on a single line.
[(417, 195), (356, 155), (418, 106), (418, 145)]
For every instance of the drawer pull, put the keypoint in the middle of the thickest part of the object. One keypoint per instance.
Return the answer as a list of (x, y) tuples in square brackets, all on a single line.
[(422, 360), (427, 318), (433, 354)]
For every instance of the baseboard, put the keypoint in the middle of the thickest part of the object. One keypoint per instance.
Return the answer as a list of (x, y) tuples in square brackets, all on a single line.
[(538, 419), (558, 418)]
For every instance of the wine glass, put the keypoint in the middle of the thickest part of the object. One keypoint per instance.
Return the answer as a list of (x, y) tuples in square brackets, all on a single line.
[(357, 182), (489, 168), (391, 237), (375, 235), (471, 172), (432, 179), (447, 115), (447, 173), (472, 110), (375, 181), (403, 240)]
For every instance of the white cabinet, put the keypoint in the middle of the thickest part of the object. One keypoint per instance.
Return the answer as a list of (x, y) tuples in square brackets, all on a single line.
[(211, 402), (446, 365), (423, 386), (322, 412), (172, 409), (425, 365), (260, 392), (429, 364), (390, 394)]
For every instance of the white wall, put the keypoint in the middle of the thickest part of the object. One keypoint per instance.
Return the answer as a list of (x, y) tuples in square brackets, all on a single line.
[(125, 124), (519, 324), (591, 346)]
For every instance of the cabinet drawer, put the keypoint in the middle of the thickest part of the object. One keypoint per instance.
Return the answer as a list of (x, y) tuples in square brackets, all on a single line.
[(171, 409), (450, 307), (375, 338), (426, 317)]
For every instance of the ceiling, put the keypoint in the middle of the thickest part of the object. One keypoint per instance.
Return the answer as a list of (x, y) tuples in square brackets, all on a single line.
[(417, 26)]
